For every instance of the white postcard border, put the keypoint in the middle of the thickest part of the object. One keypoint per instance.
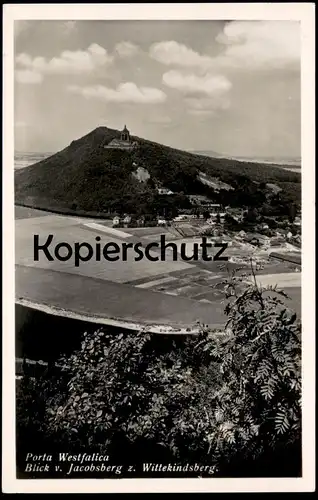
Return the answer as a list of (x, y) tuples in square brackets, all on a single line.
[(304, 12)]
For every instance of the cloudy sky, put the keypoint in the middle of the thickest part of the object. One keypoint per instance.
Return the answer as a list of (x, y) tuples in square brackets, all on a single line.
[(232, 87)]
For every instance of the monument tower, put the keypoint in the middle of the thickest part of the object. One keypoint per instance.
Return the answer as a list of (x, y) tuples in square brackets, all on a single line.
[(124, 142), (125, 135)]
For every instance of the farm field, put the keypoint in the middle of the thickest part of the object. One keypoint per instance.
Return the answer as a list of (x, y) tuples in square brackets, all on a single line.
[(114, 289)]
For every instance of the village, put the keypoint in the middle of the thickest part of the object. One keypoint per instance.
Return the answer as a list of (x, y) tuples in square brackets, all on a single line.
[(223, 223)]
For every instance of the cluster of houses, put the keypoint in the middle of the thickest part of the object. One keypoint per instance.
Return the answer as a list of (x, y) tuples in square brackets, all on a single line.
[(215, 217), (258, 239), (126, 220)]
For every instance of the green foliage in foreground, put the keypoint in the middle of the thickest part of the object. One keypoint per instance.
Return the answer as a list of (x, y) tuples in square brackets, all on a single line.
[(217, 397)]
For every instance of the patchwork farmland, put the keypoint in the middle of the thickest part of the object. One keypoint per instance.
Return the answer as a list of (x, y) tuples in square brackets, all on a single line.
[(134, 293)]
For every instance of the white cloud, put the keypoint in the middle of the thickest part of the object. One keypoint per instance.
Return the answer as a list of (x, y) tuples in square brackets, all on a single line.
[(203, 94), (28, 76), (174, 53), (260, 44), (244, 45), (192, 84), (207, 105), (69, 62), (124, 93), (126, 49)]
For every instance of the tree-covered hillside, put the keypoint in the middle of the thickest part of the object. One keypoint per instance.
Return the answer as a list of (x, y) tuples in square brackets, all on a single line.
[(86, 176)]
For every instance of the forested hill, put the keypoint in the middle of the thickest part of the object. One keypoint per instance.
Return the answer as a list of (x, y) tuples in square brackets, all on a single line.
[(87, 176)]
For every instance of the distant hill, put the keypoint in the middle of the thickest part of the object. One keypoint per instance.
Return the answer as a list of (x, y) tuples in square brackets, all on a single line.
[(284, 162), (24, 159), (85, 176)]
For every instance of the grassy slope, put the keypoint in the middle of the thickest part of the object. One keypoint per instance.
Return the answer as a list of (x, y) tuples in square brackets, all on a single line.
[(87, 174)]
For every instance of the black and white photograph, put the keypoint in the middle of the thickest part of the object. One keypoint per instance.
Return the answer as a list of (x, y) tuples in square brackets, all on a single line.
[(158, 219)]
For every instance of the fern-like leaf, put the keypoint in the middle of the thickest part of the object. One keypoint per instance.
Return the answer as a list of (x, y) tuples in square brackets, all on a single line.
[(281, 422), (268, 389)]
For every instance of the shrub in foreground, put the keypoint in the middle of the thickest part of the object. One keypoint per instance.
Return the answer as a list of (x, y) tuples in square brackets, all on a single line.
[(222, 398)]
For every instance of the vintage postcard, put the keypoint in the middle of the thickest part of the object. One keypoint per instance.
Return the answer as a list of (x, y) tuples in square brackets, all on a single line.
[(158, 227)]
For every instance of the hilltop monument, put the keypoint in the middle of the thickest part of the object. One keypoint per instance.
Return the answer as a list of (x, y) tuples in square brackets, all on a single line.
[(124, 142)]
